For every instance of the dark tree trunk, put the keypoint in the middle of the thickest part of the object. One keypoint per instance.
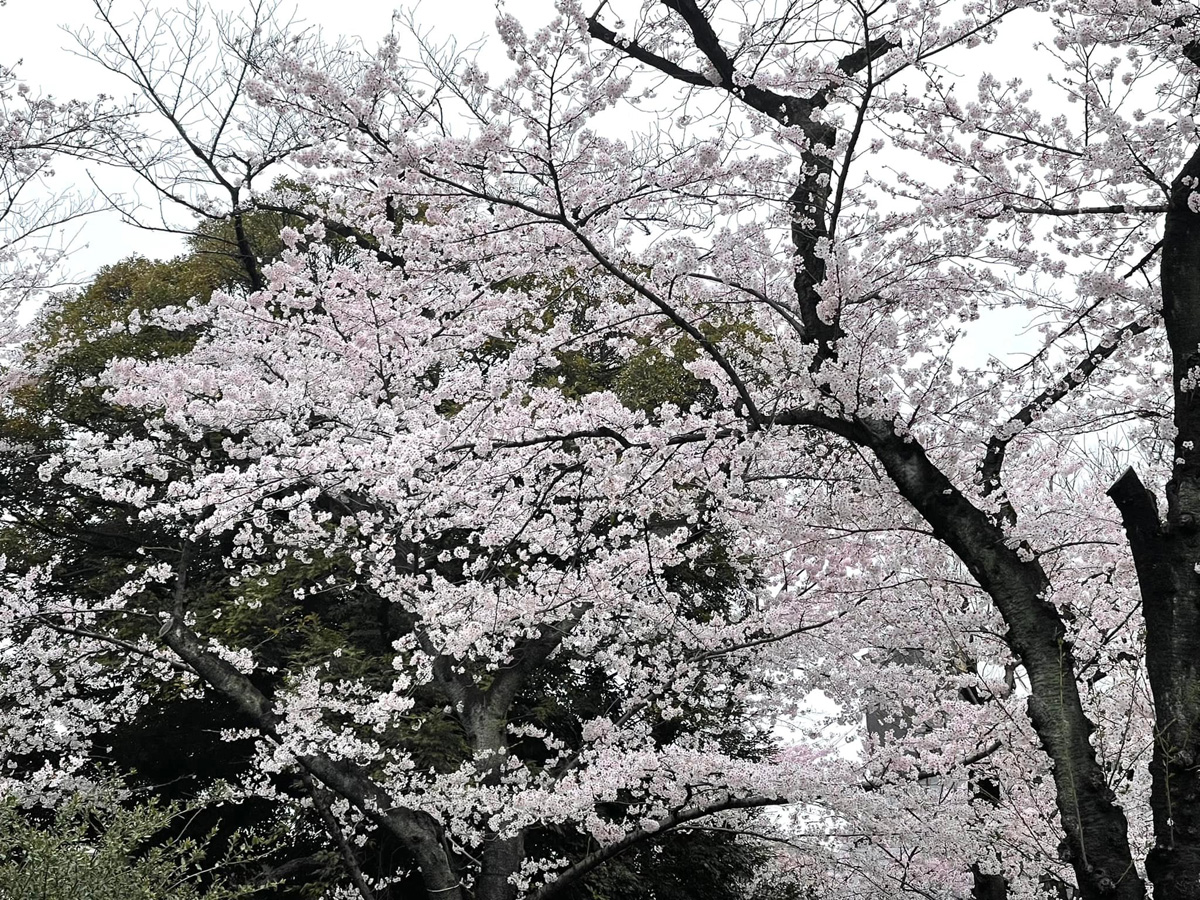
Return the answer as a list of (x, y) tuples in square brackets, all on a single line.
[(502, 858), (1166, 556), (1094, 825), (988, 887), (484, 718)]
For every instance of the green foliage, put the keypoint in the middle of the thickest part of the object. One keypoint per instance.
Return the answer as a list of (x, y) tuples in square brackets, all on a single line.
[(651, 377), (173, 744), (80, 334), (779, 882), (104, 851)]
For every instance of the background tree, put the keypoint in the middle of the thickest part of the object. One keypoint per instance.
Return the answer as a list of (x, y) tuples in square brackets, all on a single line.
[(96, 848)]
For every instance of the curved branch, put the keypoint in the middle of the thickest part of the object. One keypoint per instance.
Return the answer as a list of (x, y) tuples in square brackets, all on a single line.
[(1095, 826), (334, 828), (572, 874), (641, 54), (417, 831)]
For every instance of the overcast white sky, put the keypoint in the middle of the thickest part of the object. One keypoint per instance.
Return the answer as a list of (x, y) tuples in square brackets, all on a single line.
[(32, 31)]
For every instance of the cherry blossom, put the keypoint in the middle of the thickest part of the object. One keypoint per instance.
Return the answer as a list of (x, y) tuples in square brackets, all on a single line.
[(953, 555)]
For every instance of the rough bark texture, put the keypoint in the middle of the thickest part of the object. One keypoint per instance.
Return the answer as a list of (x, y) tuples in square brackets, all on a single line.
[(485, 722), (1166, 556), (484, 716)]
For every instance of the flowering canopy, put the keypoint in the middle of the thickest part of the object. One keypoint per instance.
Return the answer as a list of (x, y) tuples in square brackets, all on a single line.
[(430, 399)]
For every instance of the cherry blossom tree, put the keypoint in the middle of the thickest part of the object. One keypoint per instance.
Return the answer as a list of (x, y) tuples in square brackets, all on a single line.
[(803, 223)]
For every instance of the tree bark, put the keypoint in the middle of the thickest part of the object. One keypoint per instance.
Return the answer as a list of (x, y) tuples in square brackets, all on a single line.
[(417, 831), (1094, 825), (1166, 555), (501, 855)]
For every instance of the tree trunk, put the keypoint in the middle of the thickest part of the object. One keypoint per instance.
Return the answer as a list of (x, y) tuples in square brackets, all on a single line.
[(1166, 556), (501, 856), (988, 887), (1094, 825)]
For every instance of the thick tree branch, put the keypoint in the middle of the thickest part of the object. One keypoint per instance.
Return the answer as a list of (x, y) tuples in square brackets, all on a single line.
[(528, 655), (417, 831), (1095, 826), (635, 51), (334, 828), (1165, 555), (1138, 508), (1180, 276), (1115, 209), (575, 872)]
